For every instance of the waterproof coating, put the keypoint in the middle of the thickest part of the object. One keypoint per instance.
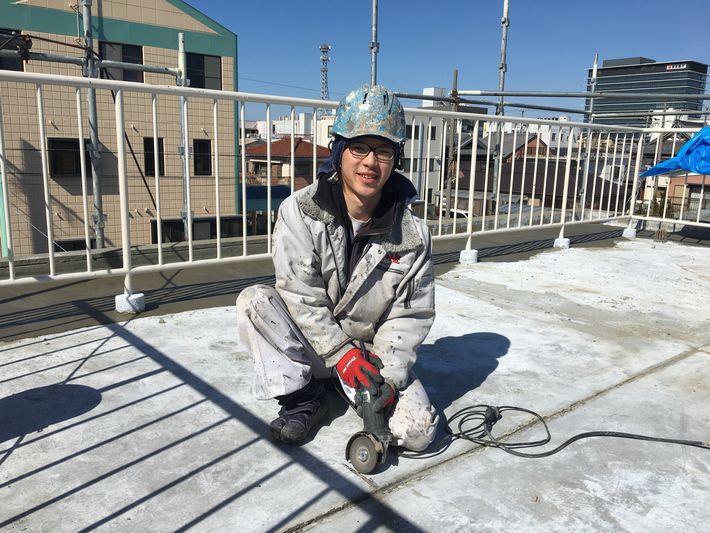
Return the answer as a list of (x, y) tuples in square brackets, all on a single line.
[(371, 110)]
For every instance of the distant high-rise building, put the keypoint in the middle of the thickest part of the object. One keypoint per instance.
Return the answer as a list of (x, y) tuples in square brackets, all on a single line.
[(643, 75)]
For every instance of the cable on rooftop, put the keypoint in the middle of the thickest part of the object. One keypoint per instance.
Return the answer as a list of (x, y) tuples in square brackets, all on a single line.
[(475, 424)]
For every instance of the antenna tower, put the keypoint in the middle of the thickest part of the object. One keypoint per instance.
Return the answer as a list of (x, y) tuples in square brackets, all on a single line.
[(324, 93)]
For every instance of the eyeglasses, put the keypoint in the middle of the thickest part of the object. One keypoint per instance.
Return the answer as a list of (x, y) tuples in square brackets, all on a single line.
[(361, 150)]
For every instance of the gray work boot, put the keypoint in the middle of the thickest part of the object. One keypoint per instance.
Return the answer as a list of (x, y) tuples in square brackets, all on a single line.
[(300, 412)]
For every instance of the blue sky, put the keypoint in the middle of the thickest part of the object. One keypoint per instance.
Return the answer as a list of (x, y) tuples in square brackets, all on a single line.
[(550, 42)]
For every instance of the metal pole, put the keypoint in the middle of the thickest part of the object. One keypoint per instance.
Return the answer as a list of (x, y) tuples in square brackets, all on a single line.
[(94, 153), (500, 109), (504, 22), (182, 81), (593, 86), (374, 45), (450, 158)]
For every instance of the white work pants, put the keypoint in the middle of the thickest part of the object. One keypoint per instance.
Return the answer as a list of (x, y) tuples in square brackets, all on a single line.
[(284, 362)]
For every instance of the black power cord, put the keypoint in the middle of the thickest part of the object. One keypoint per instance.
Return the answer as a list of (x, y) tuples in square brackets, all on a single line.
[(475, 424)]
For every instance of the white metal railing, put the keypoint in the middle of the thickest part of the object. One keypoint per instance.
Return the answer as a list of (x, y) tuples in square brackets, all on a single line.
[(504, 174)]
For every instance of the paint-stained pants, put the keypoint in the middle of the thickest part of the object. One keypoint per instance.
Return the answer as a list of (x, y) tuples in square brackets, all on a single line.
[(284, 362)]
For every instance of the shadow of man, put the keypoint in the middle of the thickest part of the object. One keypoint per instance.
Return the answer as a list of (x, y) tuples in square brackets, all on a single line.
[(453, 366)]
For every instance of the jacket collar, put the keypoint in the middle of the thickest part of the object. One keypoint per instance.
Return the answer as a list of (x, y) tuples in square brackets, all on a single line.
[(324, 201)]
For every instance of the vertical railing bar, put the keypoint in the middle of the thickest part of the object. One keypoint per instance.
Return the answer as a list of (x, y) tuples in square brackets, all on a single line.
[(243, 152), (315, 143), (411, 154), (606, 161), (426, 171), (682, 200), (472, 183), (512, 175), (458, 169), (611, 178), (186, 172), (554, 181), (665, 200), (700, 200), (534, 184), (659, 141), (565, 183), (156, 168), (123, 192), (485, 182), (544, 182), (6, 199), (268, 179), (45, 179), (500, 175), (587, 163), (621, 174), (293, 150), (576, 174), (522, 181), (218, 212), (594, 178), (82, 166), (628, 173), (442, 176)]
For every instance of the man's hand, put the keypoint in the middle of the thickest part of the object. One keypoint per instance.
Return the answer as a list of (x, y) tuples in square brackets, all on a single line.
[(386, 398), (357, 371)]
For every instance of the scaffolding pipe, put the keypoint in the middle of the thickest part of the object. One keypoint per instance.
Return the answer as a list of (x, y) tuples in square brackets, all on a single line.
[(374, 45), (90, 71)]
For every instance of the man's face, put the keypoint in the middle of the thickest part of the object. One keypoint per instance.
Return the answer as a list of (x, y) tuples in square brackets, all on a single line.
[(364, 175)]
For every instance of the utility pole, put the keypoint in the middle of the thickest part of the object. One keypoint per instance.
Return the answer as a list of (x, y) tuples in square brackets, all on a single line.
[(182, 81), (500, 110), (374, 45), (90, 71)]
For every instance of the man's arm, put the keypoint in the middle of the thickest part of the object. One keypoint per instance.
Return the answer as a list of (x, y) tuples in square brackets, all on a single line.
[(409, 318), (300, 283)]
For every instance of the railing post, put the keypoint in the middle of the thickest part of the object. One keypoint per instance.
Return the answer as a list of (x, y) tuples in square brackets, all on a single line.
[(630, 231), (562, 241), (128, 302), (6, 230)]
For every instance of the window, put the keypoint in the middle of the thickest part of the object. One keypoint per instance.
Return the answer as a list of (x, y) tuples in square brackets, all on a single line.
[(149, 157), (202, 154), (204, 71), (64, 157), (416, 132), (126, 53), (8, 42)]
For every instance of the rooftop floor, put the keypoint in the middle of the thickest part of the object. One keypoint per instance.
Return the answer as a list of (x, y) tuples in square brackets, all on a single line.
[(149, 424)]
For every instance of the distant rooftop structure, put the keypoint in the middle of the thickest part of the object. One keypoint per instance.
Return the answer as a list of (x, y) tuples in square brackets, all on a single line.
[(645, 75)]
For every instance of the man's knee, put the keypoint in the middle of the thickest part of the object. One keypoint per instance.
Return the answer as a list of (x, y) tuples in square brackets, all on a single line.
[(414, 427), (253, 297)]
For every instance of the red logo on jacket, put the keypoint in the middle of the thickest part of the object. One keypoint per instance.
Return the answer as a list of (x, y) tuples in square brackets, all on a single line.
[(394, 258)]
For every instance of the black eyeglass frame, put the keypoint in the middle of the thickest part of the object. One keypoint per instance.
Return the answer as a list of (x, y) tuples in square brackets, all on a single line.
[(390, 156)]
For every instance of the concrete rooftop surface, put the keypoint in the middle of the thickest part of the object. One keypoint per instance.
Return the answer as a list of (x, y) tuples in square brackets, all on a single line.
[(149, 424)]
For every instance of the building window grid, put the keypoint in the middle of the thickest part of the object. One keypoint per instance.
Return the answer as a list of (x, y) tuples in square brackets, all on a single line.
[(202, 157), (64, 157), (126, 53)]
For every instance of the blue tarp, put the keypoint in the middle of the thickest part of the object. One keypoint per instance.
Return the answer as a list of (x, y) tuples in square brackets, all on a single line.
[(693, 156)]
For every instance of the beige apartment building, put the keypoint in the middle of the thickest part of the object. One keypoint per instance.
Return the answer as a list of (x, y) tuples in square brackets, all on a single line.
[(135, 31)]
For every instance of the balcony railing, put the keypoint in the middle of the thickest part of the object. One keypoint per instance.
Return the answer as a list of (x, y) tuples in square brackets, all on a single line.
[(495, 173)]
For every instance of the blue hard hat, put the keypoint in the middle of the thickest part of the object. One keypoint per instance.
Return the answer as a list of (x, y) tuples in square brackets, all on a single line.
[(370, 110)]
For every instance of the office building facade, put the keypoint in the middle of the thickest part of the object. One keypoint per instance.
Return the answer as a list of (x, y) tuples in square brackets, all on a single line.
[(643, 75)]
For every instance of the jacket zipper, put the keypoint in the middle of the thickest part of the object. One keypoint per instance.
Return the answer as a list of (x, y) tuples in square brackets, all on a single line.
[(410, 293), (341, 289)]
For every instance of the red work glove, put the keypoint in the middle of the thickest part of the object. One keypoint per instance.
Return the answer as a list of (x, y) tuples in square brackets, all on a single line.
[(387, 395), (357, 371)]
